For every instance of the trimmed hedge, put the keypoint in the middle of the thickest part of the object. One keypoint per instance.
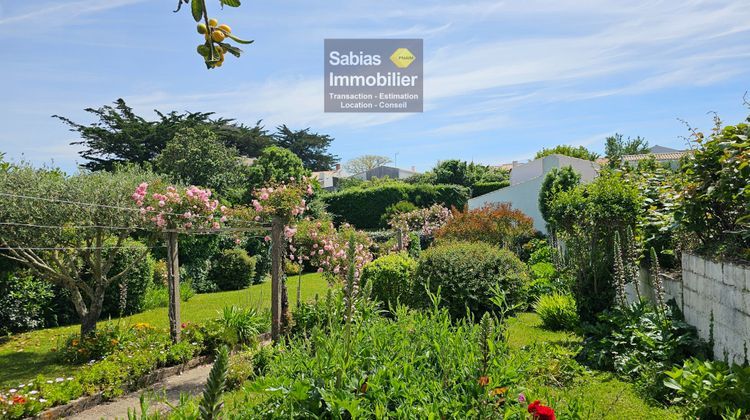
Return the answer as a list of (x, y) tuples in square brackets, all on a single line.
[(138, 279), (481, 188), (466, 273), (391, 278), (363, 207), (233, 269)]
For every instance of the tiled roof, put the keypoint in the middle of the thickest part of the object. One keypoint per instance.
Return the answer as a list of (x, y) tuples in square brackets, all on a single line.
[(657, 156)]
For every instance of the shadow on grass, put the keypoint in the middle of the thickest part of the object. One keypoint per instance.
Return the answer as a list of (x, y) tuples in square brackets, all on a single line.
[(24, 365)]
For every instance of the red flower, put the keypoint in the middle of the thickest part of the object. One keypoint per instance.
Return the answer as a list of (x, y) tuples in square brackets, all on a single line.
[(541, 412), (17, 399)]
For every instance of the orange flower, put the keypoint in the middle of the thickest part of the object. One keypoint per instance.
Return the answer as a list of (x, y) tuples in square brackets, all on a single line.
[(484, 380), (17, 399)]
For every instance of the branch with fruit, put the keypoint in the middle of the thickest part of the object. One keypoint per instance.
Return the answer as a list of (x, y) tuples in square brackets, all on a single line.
[(217, 36)]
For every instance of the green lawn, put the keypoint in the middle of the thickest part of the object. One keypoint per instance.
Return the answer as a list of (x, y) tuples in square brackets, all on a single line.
[(610, 397), (24, 356)]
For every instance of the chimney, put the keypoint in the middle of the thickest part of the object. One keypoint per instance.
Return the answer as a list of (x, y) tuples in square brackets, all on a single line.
[(338, 167)]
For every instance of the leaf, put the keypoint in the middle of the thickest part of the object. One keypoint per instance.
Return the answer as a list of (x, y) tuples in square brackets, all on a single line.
[(230, 3), (241, 41), (231, 49), (197, 8)]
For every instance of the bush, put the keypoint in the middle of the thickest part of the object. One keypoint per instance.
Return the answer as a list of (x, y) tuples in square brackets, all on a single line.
[(25, 302), (467, 274), (233, 269), (364, 207), (292, 268), (496, 224), (481, 188), (261, 251), (557, 311), (711, 390), (395, 209), (391, 278), (241, 326), (135, 282)]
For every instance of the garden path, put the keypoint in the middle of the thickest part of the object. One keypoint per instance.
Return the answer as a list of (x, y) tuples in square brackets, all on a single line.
[(190, 381)]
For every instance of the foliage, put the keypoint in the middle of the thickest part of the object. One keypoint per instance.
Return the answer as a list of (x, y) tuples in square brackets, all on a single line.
[(481, 188), (579, 152), (426, 221), (261, 251), (640, 342), (178, 208), (233, 269), (211, 404), (310, 147), (557, 311), (496, 224), (68, 251), (397, 209), (240, 326), (391, 279), (158, 296), (587, 217), (615, 147), (26, 302), (711, 390), (120, 136), (468, 276), (197, 157), (714, 202), (364, 163), (557, 180), (127, 295), (274, 165), (364, 207), (241, 368)]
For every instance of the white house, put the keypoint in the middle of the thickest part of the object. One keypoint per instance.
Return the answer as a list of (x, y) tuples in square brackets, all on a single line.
[(526, 182), (329, 180), (386, 171)]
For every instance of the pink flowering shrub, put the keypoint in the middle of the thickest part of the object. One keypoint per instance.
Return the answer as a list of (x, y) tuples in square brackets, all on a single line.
[(287, 200), (424, 221), (179, 208)]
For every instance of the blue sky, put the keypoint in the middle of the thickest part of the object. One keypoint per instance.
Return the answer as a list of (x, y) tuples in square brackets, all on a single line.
[(502, 78)]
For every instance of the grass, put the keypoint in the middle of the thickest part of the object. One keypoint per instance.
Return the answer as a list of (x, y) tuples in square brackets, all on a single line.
[(24, 356), (609, 396)]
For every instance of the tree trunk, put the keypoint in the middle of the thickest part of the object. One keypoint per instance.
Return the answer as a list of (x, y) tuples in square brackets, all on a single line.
[(277, 267), (173, 281), (285, 314), (88, 324)]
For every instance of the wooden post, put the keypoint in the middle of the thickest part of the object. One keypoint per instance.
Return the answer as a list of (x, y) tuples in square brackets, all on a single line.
[(277, 268), (400, 234), (173, 281)]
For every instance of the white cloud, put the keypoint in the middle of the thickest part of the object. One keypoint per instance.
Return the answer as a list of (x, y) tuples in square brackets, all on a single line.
[(61, 12)]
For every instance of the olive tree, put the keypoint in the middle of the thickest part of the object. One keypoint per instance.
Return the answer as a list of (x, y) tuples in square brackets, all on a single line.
[(63, 227)]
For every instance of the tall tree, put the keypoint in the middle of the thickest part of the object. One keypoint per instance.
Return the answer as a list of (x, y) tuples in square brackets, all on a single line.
[(616, 147), (65, 242), (121, 136), (365, 162), (312, 148)]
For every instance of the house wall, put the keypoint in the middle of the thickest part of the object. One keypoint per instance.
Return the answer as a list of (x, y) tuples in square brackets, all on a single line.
[(524, 197), (709, 287)]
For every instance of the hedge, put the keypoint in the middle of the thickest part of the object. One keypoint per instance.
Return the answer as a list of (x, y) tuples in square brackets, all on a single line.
[(481, 188), (391, 277), (363, 207)]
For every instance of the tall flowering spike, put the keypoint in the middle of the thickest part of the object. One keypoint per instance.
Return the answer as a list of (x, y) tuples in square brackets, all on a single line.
[(619, 273), (656, 280), (631, 259)]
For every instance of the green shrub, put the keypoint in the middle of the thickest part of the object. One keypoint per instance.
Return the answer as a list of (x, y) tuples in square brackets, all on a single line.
[(233, 269), (364, 207), (292, 268), (467, 273), (136, 281), (158, 296), (391, 278), (26, 302), (557, 311), (241, 326), (711, 390), (241, 368), (394, 209), (481, 188)]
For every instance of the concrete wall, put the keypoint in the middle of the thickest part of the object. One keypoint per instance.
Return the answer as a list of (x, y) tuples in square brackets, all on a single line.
[(524, 197), (721, 288)]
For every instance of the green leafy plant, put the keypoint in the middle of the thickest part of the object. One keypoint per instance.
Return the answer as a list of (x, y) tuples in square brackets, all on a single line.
[(391, 279), (233, 269), (211, 404), (557, 311), (241, 326)]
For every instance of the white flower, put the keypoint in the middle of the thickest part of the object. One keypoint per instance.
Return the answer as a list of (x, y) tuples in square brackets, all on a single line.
[(59, 379), (34, 392), (42, 400), (13, 390), (69, 378), (49, 381)]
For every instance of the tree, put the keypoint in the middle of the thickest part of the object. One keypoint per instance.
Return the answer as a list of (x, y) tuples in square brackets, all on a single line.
[(365, 162), (579, 152), (120, 136), (310, 147), (556, 181), (63, 241), (452, 171), (616, 147), (195, 156), (275, 164)]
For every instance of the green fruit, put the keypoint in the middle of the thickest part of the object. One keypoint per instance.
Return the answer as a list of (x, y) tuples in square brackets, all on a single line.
[(202, 28), (204, 50)]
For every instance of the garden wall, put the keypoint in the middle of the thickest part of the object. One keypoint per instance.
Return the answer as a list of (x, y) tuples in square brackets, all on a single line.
[(711, 287)]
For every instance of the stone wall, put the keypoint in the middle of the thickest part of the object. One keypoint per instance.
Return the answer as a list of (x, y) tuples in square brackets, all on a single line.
[(720, 289)]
